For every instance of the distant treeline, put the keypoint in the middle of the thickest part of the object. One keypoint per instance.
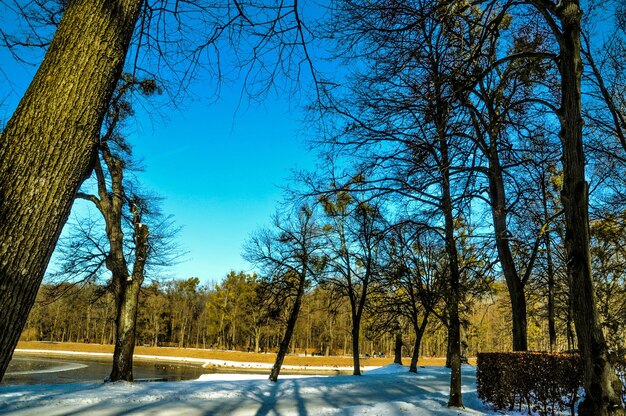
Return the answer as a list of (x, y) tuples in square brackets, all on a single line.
[(233, 315)]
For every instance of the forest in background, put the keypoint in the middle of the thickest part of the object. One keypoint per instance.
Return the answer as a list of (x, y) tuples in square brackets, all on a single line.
[(182, 313), (231, 315)]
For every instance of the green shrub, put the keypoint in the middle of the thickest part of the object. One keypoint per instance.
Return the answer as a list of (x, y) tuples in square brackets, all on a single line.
[(542, 382)]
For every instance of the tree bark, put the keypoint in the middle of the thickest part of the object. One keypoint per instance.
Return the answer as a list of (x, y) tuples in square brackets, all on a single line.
[(514, 284), (126, 301), (357, 314), (127, 289), (397, 351), (291, 324), (547, 241), (48, 147), (126, 286), (356, 331), (454, 322), (419, 333), (257, 340), (571, 342), (601, 382), (551, 293)]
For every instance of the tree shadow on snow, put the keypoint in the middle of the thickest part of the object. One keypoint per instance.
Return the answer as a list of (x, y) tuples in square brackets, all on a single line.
[(301, 397)]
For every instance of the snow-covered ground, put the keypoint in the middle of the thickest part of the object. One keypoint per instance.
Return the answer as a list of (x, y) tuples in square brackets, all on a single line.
[(387, 391)]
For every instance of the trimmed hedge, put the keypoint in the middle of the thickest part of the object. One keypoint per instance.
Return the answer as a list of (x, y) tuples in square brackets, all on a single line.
[(543, 382)]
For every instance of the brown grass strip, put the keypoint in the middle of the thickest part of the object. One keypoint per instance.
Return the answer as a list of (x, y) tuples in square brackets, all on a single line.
[(332, 361)]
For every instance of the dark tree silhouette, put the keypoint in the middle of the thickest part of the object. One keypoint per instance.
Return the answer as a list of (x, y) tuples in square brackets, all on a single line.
[(353, 232), (289, 255)]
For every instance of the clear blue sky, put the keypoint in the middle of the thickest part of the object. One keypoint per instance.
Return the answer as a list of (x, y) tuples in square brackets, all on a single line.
[(220, 169), (217, 163)]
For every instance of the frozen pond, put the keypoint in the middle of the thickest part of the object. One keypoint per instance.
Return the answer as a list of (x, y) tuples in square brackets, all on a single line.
[(25, 369), (31, 368)]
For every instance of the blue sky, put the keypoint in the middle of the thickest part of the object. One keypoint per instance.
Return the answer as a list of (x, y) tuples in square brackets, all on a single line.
[(220, 169), (219, 164)]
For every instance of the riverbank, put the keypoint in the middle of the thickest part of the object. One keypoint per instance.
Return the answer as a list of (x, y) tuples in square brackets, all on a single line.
[(390, 390), (202, 366), (214, 358)]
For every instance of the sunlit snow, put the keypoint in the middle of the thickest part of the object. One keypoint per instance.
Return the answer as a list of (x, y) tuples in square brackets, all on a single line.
[(389, 390)]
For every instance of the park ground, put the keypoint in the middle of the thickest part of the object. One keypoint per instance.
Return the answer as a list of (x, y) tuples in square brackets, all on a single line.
[(384, 389), (389, 391)]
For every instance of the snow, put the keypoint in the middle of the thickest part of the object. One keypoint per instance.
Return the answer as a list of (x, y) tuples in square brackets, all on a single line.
[(239, 377), (390, 390), (53, 369), (237, 364), (202, 361)]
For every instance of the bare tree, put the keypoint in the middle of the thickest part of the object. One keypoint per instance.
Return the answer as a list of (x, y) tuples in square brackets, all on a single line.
[(415, 278), (399, 126), (123, 209), (353, 234), (290, 257), (498, 102)]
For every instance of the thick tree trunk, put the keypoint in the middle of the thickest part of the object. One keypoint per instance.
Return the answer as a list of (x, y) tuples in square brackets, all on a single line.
[(125, 285), (257, 340), (551, 293), (48, 146), (602, 386), (514, 284), (454, 322), (448, 350), (519, 322), (571, 341), (356, 331), (419, 333), (415, 354), (291, 324), (357, 315), (126, 302), (551, 310), (547, 241), (397, 350), (454, 345)]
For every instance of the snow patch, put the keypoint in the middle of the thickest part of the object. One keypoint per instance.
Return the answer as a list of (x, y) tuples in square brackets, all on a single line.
[(388, 391), (239, 377)]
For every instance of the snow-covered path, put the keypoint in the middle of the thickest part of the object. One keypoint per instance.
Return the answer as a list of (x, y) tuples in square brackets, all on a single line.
[(390, 390)]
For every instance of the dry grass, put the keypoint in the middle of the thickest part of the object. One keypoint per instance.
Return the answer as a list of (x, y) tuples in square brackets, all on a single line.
[(222, 355)]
